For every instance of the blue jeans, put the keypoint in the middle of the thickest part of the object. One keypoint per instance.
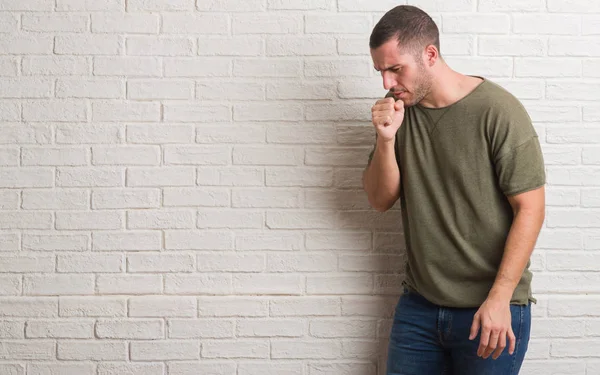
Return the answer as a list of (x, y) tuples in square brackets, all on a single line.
[(427, 339)]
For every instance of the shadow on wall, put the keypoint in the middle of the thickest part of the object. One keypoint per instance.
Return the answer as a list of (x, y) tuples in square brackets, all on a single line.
[(370, 249)]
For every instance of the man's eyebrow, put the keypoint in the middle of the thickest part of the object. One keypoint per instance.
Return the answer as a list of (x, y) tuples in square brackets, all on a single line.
[(390, 68)]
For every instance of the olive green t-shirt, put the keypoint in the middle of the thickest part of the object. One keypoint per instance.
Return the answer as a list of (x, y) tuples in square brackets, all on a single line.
[(458, 164)]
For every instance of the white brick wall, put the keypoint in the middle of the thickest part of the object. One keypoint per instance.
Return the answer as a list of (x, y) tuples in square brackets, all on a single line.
[(180, 183)]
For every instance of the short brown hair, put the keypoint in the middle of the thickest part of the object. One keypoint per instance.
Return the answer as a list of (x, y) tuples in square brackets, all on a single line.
[(411, 26)]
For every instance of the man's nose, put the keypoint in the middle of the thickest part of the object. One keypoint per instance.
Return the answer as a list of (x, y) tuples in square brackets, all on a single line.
[(388, 80)]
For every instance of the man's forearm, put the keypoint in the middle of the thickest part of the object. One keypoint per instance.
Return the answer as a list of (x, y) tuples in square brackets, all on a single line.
[(381, 179), (519, 246)]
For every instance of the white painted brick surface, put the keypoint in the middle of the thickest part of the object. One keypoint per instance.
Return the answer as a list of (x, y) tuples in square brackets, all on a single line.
[(20, 263), (129, 284), (197, 67), (305, 349), (308, 45), (137, 329), (165, 350), (167, 262), (125, 23), (182, 23), (31, 5), (82, 350), (267, 24), (107, 263), (243, 45), (187, 329), (12, 369), (11, 111), (158, 306), (192, 112), (89, 5), (475, 23), (27, 350), (11, 285), (241, 348), (26, 44), (108, 368), (202, 284), (67, 367), (159, 46), (231, 5), (127, 66), (57, 285), (88, 44), (9, 66), (55, 66), (39, 307), (60, 242), (130, 240), (180, 182), (58, 22), (59, 329), (125, 111), (271, 368), (160, 5), (97, 89), (92, 307)]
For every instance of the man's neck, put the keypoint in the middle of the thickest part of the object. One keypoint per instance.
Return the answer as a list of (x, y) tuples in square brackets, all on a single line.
[(448, 87)]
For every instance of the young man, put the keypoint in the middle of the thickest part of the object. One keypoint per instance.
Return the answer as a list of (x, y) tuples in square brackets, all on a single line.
[(462, 156)]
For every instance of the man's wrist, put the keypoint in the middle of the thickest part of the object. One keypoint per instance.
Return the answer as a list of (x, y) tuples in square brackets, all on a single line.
[(386, 143), (501, 292)]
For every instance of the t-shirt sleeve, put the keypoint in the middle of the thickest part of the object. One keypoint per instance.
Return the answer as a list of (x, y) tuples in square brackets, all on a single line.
[(521, 169), (516, 152)]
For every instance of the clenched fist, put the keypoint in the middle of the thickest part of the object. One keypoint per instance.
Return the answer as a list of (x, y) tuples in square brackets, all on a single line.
[(387, 117)]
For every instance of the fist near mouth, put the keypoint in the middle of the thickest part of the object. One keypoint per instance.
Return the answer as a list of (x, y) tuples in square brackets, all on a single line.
[(387, 116)]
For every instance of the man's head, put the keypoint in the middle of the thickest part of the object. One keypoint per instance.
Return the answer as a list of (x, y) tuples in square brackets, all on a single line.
[(405, 45)]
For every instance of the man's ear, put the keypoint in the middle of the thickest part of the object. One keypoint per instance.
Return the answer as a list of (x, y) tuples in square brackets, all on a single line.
[(431, 54)]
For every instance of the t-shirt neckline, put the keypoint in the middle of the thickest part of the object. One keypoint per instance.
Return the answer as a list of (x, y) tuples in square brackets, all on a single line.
[(459, 100)]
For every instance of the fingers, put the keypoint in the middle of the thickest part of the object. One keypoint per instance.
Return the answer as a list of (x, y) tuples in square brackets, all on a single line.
[(501, 345), (381, 113), (386, 104), (491, 345), (385, 108), (474, 327), (383, 120), (496, 344), (385, 114), (399, 105), (484, 340), (494, 322), (512, 341), (385, 101)]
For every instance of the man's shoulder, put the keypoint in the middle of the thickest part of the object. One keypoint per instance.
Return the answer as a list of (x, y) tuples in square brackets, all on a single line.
[(495, 101), (496, 95)]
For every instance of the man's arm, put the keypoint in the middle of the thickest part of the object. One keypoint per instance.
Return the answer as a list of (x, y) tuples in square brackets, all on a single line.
[(529, 214), (381, 178), (494, 315)]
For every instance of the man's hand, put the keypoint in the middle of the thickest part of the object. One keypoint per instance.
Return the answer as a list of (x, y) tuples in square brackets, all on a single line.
[(387, 117), (494, 319)]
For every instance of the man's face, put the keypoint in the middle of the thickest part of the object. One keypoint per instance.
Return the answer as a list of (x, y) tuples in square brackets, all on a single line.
[(404, 73)]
